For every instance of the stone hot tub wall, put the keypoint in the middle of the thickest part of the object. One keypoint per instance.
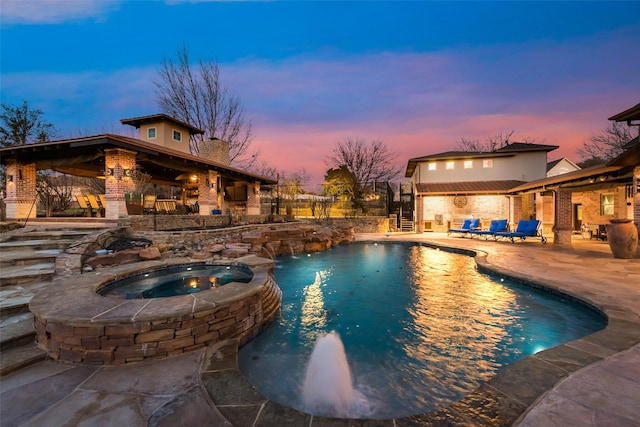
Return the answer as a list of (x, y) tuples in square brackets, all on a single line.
[(75, 324)]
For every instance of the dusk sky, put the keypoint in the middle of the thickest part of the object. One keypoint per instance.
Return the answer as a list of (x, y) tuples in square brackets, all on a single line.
[(417, 75)]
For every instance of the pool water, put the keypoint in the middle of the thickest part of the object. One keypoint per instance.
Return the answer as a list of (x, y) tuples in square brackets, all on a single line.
[(421, 327), (176, 280)]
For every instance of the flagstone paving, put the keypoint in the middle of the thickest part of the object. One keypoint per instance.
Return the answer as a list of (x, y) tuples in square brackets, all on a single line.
[(594, 381)]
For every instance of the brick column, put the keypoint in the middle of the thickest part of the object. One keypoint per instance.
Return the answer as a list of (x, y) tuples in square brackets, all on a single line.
[(21, 191), (253, 198), (117, 162), (562, 229), (208, 192)]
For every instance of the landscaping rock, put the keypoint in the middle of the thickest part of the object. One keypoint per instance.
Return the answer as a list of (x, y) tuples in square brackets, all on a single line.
[(150, 253)]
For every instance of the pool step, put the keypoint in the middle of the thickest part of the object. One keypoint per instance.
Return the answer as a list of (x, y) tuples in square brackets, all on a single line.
[(35, 244), (27, 264), (20, 357), (50, 234), (17, 331), (14, 299), (26, 274), (27, 257)]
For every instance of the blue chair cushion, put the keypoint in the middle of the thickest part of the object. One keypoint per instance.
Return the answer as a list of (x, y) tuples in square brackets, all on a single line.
[(466, 224), (498, 225)]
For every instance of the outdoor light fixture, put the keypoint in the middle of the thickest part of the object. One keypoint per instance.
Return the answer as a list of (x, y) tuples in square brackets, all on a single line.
[(9, 178), (193, 178), (128, 172), (109, 172), (210, 184)]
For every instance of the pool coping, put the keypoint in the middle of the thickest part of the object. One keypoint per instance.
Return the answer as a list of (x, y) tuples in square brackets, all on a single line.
[(501, 401)]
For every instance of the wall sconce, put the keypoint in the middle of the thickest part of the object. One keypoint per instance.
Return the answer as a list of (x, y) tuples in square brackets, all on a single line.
[(193, 178), (10, 179), (210, 184), (128, 173), (109, 172)]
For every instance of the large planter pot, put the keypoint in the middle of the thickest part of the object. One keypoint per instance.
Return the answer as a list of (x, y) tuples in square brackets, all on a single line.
[(622, 236), (134, 202)]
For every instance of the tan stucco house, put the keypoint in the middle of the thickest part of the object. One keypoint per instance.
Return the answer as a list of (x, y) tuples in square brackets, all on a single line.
[(454, 185)]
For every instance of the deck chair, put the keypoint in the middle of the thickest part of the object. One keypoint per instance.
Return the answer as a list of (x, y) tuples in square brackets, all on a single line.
[(467, 225), (497, 225), (95, 206), (84, 205), (149, 203), (526, 228)]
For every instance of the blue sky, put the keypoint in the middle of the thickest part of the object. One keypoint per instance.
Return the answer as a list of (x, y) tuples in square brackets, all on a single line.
[(417, 75)]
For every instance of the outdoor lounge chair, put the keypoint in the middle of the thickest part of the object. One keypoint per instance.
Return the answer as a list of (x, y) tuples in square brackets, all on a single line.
[(95, 206), (467, 225), (84, 205), (149, 204), (526, 228), (496, 225)]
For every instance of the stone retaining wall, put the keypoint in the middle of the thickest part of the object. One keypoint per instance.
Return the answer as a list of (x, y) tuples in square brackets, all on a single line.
[(75, 324)]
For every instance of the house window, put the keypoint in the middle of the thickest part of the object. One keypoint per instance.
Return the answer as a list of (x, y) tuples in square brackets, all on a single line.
[(606, 204), (151, 133), (177, 136), (487, 163), (468, 164), (432, 166), (449, 165)]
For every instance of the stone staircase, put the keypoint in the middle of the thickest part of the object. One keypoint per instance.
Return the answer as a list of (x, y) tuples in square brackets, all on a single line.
[(27, 264)]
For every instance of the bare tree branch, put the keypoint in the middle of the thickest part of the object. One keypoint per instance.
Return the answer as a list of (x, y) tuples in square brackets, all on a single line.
[(196, 96), (490, 143), (368, 161), (606, 145)]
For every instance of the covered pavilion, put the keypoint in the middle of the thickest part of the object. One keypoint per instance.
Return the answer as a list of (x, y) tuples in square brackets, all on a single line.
[(162, 152)]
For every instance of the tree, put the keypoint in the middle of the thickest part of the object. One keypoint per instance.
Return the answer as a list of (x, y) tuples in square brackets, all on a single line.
[(490, 143), (294, 184), (369, 162), (196, 95), (356, 164), (605, 146), (23, 125)]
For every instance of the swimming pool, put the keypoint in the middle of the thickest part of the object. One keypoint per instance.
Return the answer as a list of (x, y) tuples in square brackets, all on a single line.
[(421, 327)]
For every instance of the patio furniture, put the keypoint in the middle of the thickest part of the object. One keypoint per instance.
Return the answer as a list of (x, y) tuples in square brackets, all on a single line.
[(526, 228), (149, 203), (497, 225), (467, 225), (84, 205), (601, 232), (166, 206), (93, 202)]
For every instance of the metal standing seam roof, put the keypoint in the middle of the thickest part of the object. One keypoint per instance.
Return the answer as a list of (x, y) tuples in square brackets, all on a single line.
[(628, 115), (468, 187), (154, 118)]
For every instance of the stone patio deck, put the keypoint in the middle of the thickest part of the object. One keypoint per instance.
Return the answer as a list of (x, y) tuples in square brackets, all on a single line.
[(594, 381)]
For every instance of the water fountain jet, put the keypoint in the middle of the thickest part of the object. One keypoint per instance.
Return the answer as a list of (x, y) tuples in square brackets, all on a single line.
[(328, 387)]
